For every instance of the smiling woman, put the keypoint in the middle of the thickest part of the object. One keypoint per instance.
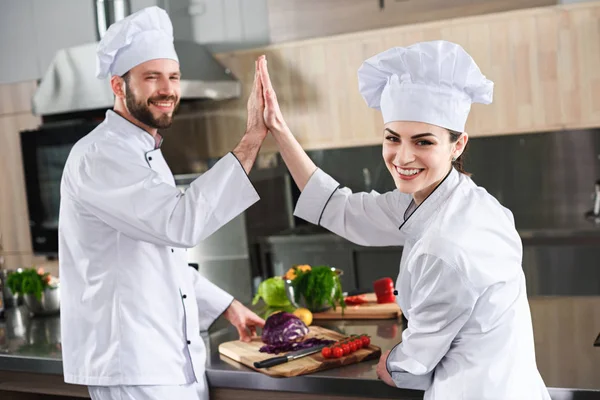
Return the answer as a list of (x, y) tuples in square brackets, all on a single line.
[(419, 155), (461, 283)]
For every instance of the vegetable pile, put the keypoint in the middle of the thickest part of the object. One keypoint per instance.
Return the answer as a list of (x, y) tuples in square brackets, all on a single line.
[(30, 281), (285, 332), (319, 286)]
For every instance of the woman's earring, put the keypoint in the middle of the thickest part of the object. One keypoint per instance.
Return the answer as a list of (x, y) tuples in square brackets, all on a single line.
[(454, 159)]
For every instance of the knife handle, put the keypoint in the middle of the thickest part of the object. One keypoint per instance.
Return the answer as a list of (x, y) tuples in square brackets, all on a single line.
[(271, 362)]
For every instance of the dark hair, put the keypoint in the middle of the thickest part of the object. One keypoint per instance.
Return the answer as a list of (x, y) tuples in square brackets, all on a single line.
[(458, 164), (126, 77)]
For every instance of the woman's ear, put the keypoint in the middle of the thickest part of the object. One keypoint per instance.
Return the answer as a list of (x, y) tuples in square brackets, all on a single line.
[(460, 144)]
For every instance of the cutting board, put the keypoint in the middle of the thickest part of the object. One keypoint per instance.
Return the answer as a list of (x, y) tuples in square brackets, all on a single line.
[(248, 354), (369, 310)]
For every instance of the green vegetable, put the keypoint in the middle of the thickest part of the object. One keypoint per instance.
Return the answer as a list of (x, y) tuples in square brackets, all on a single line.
[(272, 292), (319, 286), (28, 281)]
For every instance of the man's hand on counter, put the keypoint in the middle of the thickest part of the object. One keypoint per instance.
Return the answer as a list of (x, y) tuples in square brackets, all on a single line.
[(382, 372), (244, 320)]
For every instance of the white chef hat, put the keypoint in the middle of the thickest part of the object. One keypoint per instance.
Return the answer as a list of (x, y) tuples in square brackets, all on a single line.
[(433, 82), (143, 36)]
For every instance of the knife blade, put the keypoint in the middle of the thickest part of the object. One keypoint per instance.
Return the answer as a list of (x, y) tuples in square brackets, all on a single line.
[(293, 355)]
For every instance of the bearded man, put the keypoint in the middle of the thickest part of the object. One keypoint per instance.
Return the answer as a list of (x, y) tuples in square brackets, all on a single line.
[(132, 310)]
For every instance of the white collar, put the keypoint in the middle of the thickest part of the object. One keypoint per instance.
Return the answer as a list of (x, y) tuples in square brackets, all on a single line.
[(122, 126), (418, 221)]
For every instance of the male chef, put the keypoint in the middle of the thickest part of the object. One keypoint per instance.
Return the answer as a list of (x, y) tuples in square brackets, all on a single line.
[(132, 309)]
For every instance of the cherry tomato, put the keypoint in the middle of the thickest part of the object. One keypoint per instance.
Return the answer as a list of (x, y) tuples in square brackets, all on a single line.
[(352, 347), (358, 343), (326, 352), (337, 352), (366, 341), (346, 349)]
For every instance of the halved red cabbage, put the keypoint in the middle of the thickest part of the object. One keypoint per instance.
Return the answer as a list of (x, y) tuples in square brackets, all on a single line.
[(282, 328), (285, 347)]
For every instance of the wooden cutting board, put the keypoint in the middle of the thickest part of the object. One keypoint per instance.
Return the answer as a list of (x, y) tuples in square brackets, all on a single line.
[(248, 354), (369, 310)]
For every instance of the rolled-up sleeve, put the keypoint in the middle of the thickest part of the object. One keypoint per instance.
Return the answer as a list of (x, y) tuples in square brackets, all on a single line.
[(369, 219)]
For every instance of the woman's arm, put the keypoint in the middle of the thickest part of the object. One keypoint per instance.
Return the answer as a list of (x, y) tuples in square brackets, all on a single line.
[(299, 164)]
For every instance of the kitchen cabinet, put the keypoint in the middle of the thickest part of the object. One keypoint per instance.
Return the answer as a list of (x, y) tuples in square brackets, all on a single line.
[(37, 29), (59, 24), (221, 24), (545, 64), (18, 45), (15, 116), (302, 19)]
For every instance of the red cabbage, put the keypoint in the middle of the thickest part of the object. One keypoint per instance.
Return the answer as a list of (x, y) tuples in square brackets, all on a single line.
[(285, 347), (283, 328)]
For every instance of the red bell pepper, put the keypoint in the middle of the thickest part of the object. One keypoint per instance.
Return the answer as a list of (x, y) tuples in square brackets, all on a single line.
[(384, 290), (356, 300)]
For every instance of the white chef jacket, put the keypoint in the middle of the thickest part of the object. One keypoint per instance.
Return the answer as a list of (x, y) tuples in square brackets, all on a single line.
[(461, 285), (131, 307)]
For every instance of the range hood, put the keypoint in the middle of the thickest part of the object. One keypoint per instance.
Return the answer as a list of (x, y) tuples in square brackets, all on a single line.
[(70, 84)]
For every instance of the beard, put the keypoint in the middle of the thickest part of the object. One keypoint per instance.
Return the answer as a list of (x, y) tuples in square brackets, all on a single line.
[(140, 110)]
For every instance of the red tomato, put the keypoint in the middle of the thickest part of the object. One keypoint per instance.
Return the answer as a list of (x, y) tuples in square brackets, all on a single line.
[(337, 352), (346, 349), (353, 347), (326, 352), (366, 341), (358, 343)]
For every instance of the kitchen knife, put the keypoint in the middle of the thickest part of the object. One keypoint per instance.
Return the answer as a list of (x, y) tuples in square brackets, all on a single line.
[(271, 362)]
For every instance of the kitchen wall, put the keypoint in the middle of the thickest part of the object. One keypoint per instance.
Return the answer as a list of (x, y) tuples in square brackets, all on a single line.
[(544, 63), (15, 115), (546, 179), (545, 71)]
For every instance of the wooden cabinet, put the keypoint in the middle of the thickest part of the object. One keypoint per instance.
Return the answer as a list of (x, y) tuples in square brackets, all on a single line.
[(291, 20), (15, 116), (545, 64)]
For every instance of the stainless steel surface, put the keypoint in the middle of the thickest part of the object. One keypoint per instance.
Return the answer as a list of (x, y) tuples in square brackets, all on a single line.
[(294, 355), (109, 11), (10, 299), (70, 83), (291, 356), (48, 304), (594, 214), (564, 330), (546, 179), (291, 295)]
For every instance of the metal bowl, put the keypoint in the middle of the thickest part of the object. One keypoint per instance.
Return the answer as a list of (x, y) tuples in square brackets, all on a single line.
[(49, 304), (289, 291)]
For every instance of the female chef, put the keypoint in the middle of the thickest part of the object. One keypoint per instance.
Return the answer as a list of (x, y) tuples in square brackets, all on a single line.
[(461, 285)]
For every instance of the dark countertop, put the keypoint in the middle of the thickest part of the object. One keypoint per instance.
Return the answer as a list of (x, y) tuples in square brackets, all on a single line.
[(565, 330)]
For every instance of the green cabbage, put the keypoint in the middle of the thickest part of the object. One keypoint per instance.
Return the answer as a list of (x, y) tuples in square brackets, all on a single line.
[(272, 291)]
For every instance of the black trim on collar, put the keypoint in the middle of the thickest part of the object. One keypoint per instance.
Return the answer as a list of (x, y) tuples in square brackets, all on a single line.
[(327, 202), (413, 213)]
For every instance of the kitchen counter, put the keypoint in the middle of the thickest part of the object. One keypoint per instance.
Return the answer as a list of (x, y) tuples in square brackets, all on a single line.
[(565, 330)]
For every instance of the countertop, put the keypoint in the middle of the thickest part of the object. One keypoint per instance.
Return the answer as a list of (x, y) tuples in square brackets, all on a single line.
[(565, 330)]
